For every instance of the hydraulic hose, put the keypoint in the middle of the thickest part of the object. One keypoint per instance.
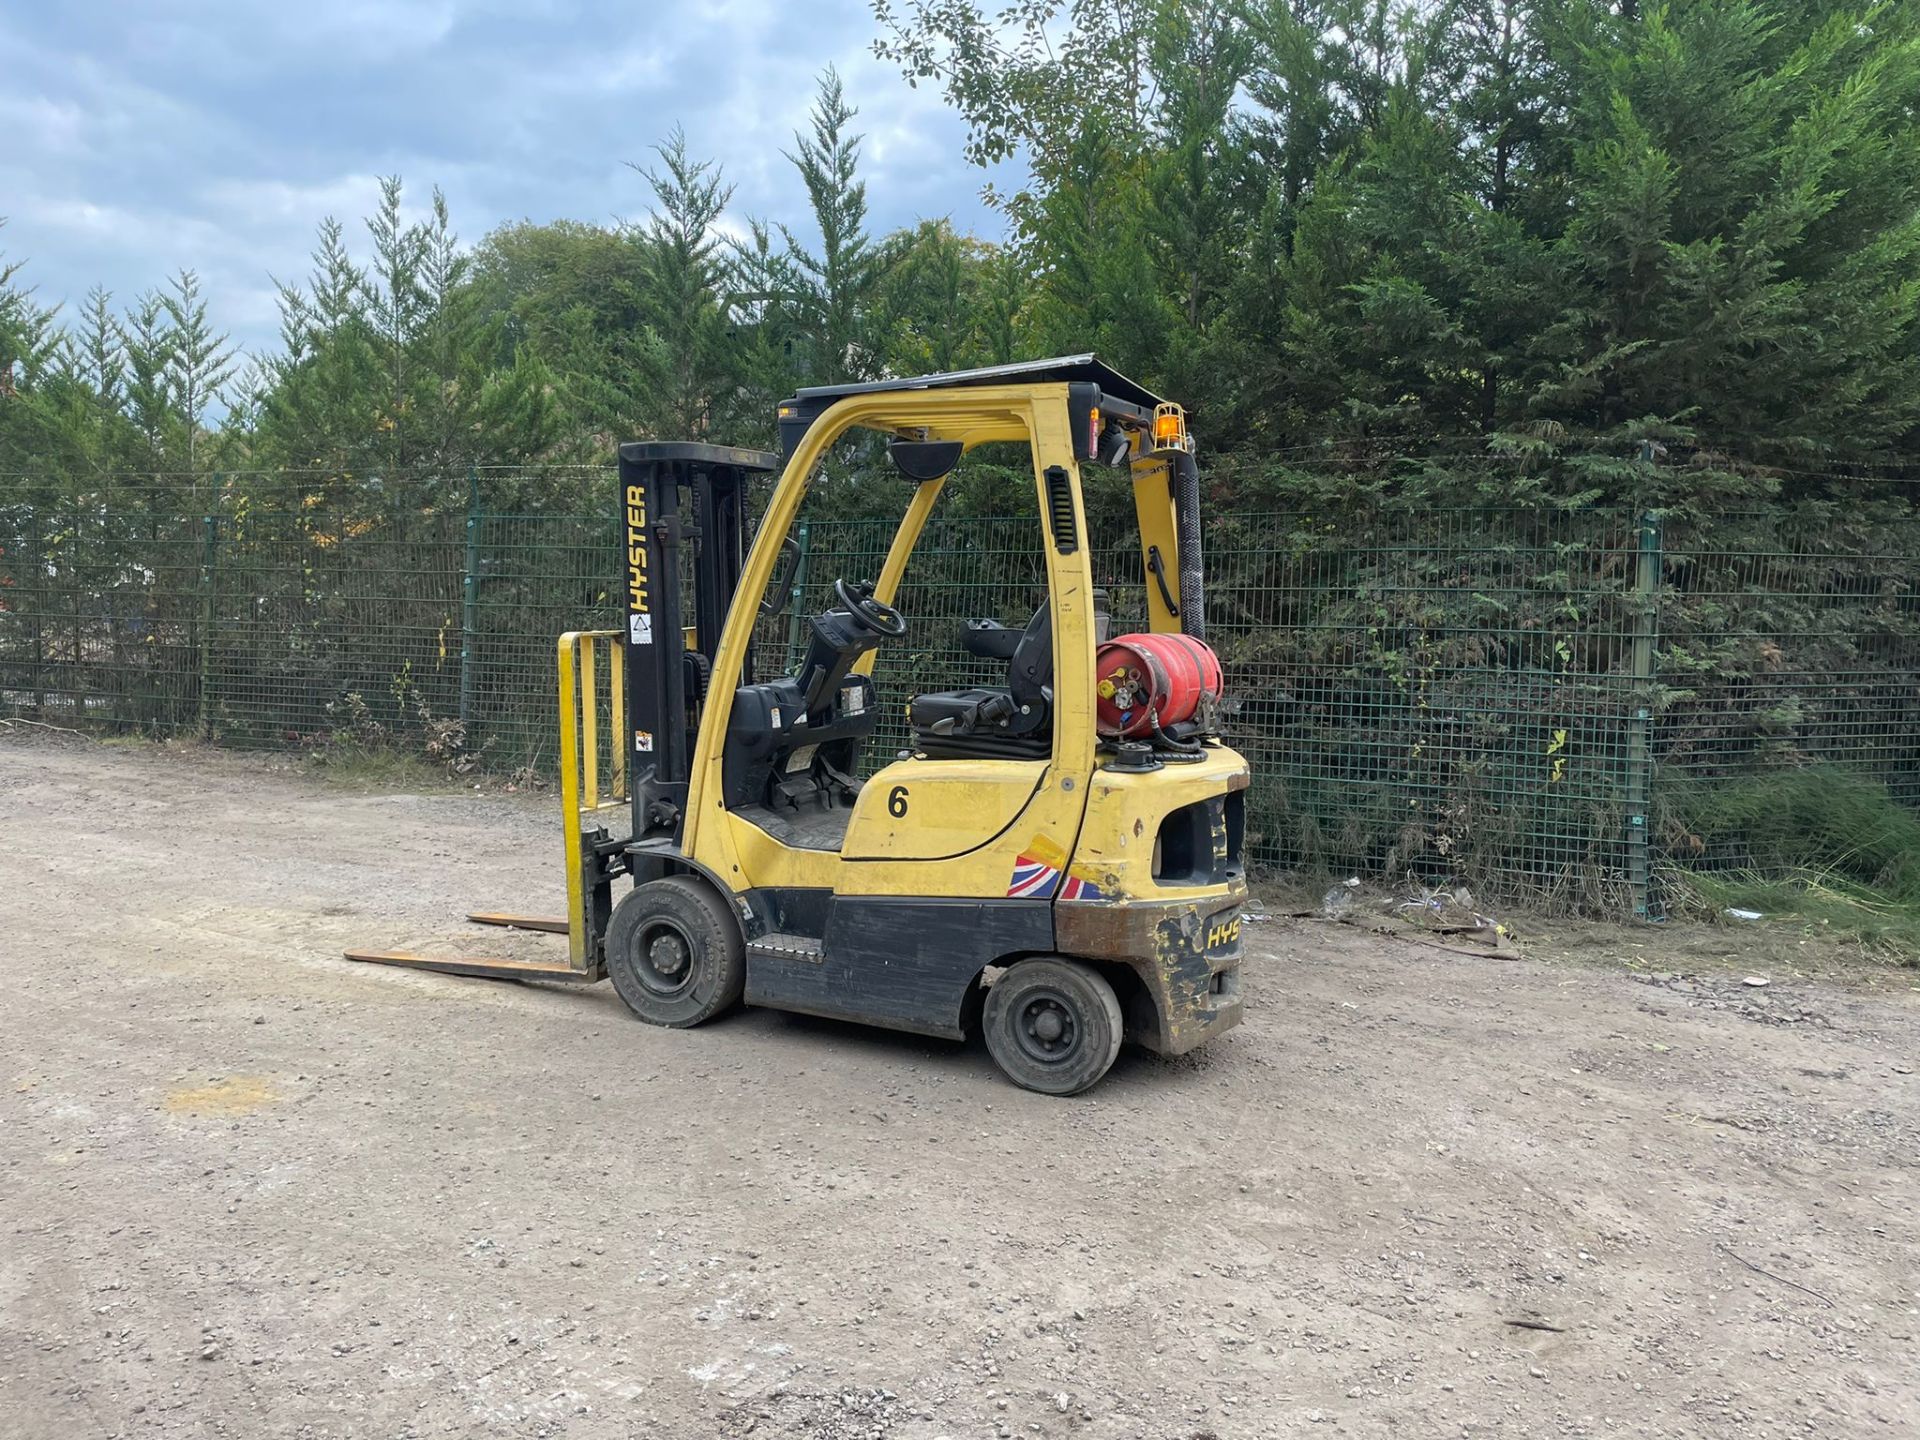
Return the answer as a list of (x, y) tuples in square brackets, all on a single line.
[(1186, 521)]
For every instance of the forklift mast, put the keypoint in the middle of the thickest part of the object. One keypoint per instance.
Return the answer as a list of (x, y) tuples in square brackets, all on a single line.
[(677, 500)]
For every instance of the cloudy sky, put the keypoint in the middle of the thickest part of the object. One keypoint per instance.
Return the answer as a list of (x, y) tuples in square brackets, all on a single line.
[(140, 136)]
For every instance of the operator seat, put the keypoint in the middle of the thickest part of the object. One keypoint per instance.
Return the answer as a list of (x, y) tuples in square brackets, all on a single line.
[(1015, 723)]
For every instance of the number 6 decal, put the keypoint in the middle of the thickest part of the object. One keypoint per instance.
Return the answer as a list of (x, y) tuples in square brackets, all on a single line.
[(897, 801)]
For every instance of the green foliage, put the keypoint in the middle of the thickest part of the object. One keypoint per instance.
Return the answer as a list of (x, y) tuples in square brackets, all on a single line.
[(1534, 242), (832, 286), (682, 365), (1820, 820), (400, 364), (1822, 845), (198, 363), (947, 301), (1555, 261), (1558, 226), (1819, 904)]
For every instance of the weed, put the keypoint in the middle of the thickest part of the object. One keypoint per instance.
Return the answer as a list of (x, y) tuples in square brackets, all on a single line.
[(418, 746)]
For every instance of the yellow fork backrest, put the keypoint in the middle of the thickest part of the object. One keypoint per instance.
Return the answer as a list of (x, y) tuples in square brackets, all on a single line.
[(592, 778)]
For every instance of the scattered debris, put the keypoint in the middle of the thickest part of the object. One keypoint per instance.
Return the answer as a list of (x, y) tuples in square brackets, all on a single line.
[(11, 722), (1793, 1284), (1337, 903), (1437, 913), (1740, 995), (1446, 910), (1733, 912)]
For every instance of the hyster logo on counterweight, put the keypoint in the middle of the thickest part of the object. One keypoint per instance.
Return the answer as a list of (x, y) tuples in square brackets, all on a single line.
[(637, 550), (1224, 933)]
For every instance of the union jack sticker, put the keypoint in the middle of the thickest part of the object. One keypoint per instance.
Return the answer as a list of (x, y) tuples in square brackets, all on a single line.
[(1037, 880), (1032, 879)]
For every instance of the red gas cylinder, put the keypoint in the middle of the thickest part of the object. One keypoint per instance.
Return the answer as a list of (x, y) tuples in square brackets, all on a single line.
[(1141, 680)]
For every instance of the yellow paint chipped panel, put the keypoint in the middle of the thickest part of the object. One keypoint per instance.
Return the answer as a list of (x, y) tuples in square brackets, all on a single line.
[(937, 809), (1124, 809), (237, 1095)]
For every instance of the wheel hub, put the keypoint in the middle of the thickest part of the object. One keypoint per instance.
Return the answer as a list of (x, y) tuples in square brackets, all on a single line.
[(664, 959), (1047, 1030), (668, 955)]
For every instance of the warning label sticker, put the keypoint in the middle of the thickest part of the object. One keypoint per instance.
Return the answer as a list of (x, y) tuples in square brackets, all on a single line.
[(640, 629), (643, 741)]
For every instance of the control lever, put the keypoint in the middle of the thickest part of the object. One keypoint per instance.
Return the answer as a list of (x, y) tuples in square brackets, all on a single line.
[(1000, 708), (997, 710)]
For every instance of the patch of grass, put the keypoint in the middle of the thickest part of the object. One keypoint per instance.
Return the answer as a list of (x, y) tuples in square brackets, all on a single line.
[(1820, 820), (378, 767), (1822, 902), (1821, 845)]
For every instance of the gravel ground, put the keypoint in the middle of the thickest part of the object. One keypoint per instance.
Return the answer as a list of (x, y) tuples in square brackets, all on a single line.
[(249, 1189)]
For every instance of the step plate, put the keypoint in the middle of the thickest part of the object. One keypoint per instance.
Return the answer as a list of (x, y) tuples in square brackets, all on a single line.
[(777, 946)]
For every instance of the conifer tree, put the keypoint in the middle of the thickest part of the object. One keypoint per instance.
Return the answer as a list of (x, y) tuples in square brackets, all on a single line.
[(836, 281), (147, 341), (683, 367), (764, 336), (323, 411), (199, 364), (43, 433), (395, 307)]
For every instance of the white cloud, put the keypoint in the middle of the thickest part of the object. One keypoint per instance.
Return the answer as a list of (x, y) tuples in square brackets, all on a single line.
[(35, 124), (363, 27), (216, 134)]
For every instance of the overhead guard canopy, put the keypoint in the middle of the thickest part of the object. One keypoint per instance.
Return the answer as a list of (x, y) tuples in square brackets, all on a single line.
[(807, 405), (646, 452)]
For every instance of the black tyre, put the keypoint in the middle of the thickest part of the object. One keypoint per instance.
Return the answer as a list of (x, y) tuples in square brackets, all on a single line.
[(675, 952), (1052, 1025)]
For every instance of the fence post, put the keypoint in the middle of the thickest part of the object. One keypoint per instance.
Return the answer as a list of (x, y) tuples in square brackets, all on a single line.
[(209, 560), (469, 597), (1646, 589), (793, 602), (42, 597)]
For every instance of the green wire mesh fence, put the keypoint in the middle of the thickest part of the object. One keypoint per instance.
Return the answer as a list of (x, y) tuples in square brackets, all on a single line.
[(1539, 703)]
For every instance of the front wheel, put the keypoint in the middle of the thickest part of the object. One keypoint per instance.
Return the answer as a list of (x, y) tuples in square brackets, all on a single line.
[(675, 952), (1052, 1025)]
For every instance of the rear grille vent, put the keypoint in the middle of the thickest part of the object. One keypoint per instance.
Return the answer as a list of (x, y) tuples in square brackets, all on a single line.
[(1066, 534)]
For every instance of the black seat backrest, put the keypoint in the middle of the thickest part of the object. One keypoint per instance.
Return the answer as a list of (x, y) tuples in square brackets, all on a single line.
[(1030, 672)]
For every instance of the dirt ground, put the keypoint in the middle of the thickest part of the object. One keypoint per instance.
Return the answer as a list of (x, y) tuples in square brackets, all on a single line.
[(249, 1189)]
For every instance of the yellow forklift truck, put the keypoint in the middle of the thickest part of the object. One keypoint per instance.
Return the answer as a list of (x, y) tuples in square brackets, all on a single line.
[(1055, 860)]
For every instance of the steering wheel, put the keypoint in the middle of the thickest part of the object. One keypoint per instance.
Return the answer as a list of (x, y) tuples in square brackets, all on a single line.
[(874, 615)]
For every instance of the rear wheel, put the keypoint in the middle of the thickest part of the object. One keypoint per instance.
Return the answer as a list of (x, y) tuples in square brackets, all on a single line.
[(675, 953), (1052, 1025)]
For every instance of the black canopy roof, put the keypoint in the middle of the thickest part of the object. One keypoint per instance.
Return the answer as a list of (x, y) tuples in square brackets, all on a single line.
[(1060, 367), (643, 452)]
